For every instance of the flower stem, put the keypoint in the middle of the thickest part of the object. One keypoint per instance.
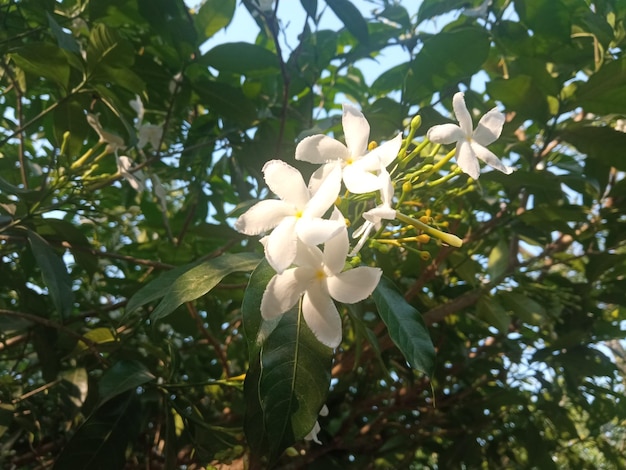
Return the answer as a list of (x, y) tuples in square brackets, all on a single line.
[(448, 238)]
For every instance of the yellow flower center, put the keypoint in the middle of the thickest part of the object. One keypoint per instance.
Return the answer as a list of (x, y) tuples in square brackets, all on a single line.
[(320, 274)]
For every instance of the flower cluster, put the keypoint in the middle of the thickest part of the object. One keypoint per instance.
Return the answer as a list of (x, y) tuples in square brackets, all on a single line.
[(305, 215)]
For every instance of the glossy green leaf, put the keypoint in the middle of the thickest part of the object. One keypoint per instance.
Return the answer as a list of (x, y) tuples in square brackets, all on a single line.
[(213, 16), (64, 40), (602, 143), (491, 311), (54, 274), (310, 6), (351, 17), (295, 376), (525, 308), (107, 47), (446, 59), (241, 57), (43, 60), (224, 100), (97, 335), (603, 92), (125, 375), (255, 327), (405, 326), (431, 8), (76, 383), (101, 441), (190, 283), (498, 261), (520, 93)]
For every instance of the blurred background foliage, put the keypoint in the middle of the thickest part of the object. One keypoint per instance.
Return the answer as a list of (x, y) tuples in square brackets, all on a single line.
[(527, 318)]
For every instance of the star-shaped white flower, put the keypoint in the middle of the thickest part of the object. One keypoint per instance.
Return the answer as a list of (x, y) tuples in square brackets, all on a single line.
[(135, 178), (114, 142), (319, 277), (297, 215), (358, 165), (374, 217), (471, 144)]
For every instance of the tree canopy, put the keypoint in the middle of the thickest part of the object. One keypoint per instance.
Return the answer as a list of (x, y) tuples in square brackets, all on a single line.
[(406, 311)]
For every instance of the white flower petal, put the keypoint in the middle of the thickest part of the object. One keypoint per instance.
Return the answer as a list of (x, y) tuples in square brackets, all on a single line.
[(358, 181), (326, 194), (490, 159), (336, 250), (385, 153), (135, 179), (321, 149), (263, 216), (379, 213), (364, 232), (286, 182), (316, 231), (281, 244), (386, 187), (308, 255), (321, 315), (319, 175), (284, 290), (356, 130), (466, 159), (489, 127), (353, 285), (461, 113), (445, 134)]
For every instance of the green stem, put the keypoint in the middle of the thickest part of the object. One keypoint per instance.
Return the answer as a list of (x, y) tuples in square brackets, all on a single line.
[(448, 238)]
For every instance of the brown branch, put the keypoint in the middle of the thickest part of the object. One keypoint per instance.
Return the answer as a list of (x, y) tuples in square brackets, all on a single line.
[(209, 337), (91, 345)]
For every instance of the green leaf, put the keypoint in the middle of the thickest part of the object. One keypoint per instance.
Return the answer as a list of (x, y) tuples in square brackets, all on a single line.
[(255, 327), (498, 259), (69, 116), (310, 6), (108, 48), (54, 274), (97, 335), (101, 442), (241, 57), (446, 59), (125, 375), (190, 284), (43, 60), (525, 308), (225, 100), (351, 17), (294, 381), (491, 311), (64, 40), (520, 93), (431, 8), (76, 385), (405, 326), (602, 143), (213, 16), (604, 92), (6, 417)]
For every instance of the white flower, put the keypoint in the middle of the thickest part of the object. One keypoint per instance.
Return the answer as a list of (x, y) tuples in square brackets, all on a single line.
[(312, 435), (357, 164), (319, 277), (471, 143), (114, 142), (373, 217), (149, 133), (297, 215), (135, 178)]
